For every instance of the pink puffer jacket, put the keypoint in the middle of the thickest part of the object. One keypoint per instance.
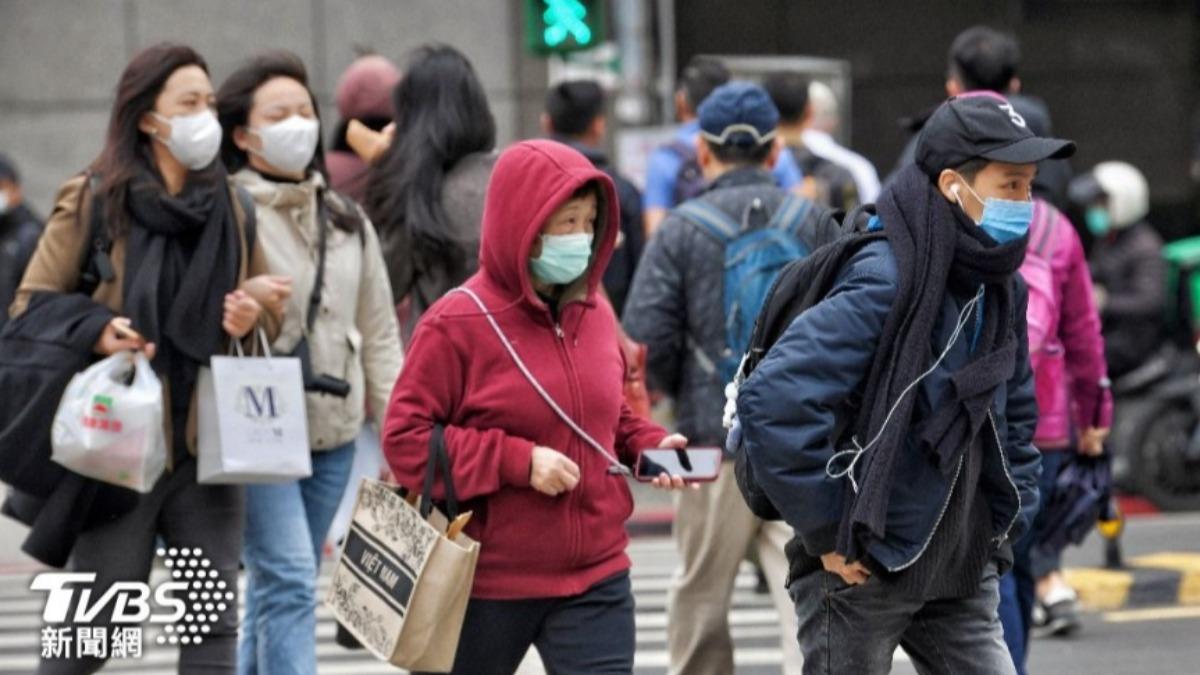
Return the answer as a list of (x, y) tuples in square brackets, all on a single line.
[(1066, 346)]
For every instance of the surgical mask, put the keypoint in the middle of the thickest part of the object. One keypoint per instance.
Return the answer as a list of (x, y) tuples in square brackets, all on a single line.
[(564, 258), (1098, 220), (194, 139), (1004, 220), (289, 145)]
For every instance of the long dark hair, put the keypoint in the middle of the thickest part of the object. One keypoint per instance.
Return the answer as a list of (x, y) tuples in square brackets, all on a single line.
[(235, 98), (442, 115), (126, 148)]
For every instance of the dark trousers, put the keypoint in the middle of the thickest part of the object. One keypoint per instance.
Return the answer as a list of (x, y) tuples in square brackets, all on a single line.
[(186, 515), (587, 634), (1018, 588), (854, 630)]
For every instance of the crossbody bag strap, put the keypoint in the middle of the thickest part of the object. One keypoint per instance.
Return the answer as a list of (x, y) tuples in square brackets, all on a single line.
[(614, 465), (314, 300)]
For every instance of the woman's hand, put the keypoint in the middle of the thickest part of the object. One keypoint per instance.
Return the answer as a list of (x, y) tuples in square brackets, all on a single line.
[(119, 337), (241, 313), (551, 472), (1091, 442), (665, 482), (368, 144), (270, 290)]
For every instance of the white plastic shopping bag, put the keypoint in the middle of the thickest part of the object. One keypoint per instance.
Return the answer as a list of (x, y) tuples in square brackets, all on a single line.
[(252, 420), (109, 424)]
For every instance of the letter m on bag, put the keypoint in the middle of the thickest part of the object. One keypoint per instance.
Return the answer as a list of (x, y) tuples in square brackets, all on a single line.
[(260, 402)]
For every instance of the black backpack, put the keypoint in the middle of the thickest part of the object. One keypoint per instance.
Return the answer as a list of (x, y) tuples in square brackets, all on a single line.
[(802, 284)]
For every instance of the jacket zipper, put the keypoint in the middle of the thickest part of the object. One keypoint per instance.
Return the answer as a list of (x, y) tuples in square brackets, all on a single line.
[(574, 529), (938, 522), (1007, 474)]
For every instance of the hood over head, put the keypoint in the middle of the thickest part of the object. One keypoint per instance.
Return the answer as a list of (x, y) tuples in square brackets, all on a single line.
[(530, 181)]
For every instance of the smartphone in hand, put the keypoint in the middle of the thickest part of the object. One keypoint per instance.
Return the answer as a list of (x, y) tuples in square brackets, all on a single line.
[(694, 465)]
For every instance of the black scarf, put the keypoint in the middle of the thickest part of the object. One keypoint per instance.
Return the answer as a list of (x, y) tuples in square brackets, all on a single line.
[(181, 259), (938, 250)]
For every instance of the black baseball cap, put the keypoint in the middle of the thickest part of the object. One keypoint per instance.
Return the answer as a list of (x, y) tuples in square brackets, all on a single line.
[(982, 125)]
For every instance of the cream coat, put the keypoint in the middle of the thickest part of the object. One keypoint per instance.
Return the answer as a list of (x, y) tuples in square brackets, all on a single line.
[(356, 336)]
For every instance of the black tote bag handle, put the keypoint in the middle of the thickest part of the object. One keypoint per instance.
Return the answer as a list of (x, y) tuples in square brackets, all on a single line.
[(438, 458)]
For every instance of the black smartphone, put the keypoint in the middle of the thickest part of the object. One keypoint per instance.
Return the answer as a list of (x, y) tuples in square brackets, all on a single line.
[(694, 465)]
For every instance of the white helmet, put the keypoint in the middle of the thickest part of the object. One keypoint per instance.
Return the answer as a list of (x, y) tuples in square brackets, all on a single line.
[(1127, 191)]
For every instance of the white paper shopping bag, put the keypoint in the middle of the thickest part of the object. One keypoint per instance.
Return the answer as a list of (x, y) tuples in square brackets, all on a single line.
[(252, 422)]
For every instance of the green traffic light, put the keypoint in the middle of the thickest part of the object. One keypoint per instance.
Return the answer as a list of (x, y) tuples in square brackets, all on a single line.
[(566, 19)]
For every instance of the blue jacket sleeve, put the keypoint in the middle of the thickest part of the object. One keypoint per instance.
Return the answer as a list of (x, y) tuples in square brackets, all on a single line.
[(787, 406), (661, 172), (1021, 412)]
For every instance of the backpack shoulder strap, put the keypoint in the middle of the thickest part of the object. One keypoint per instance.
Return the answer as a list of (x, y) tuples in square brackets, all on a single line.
[(791, 214), (249, 216), (95, 265), (718, 224), (681, 150)]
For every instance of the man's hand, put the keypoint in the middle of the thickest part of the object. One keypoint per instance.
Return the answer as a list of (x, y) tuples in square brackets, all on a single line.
[(551, 472), (854, 573), (241, 313), (270, 290), (1091, 442)]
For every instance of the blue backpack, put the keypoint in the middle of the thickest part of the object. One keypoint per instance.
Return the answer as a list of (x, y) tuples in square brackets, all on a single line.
[(753, 259)]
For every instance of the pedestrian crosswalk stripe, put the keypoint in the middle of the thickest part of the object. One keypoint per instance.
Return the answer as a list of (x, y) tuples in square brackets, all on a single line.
[(754, 624)]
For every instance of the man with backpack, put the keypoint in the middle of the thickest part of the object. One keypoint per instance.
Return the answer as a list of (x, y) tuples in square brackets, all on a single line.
[(694, 300), (825, 181), (673, 173), (890, 419)]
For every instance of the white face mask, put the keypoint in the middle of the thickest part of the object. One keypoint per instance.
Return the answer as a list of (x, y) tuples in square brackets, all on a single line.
[(3, 202), (194, 139), (289, 145)]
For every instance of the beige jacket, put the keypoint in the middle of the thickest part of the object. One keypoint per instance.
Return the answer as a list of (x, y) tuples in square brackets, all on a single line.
[(55, 267), (356, 336)]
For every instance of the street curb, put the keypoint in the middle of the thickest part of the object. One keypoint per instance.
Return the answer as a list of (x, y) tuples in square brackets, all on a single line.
[(1158, 580)]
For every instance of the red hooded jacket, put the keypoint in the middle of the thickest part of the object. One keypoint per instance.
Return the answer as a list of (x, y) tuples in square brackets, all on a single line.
[(457, 373)]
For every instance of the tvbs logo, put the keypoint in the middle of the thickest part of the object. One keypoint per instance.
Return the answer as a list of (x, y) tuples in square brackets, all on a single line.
[(189, 603), (259, 403), (129, 600)]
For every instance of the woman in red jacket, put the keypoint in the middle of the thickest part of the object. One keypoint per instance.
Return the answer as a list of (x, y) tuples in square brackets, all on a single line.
[(548, 491)]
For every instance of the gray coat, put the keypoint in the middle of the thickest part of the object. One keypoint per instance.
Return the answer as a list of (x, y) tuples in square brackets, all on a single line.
[(676, 304)]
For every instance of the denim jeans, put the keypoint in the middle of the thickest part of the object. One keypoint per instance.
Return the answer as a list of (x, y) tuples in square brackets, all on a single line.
[(855, 630), (1018, 588), (286, 525)]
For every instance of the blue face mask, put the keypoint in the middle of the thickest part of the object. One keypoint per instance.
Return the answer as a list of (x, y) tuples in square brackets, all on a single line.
[(1099, 222), (564, 258), (1004, 220)]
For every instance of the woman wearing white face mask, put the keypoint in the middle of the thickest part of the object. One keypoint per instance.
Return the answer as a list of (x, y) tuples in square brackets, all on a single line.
[(322, 247), (171, 248)]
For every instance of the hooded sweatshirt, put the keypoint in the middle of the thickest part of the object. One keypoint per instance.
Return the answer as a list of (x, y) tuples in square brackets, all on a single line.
[(458, 374)]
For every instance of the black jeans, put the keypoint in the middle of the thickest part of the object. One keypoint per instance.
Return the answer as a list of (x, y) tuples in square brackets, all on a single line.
[(587, 634), (854, 630), (186, 515)]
